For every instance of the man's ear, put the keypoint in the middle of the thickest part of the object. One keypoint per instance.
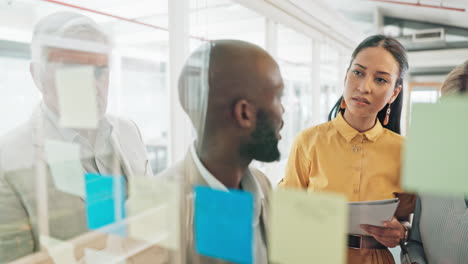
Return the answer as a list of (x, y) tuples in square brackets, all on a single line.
[(36, 73), (244, 114)]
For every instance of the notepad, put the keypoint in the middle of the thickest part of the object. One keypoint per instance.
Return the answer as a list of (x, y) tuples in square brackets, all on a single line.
[(224, 224), (370, 213)]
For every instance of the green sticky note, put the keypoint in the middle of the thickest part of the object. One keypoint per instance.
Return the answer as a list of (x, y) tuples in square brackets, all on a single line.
[(65, 164), (308, 227), (435, 157)]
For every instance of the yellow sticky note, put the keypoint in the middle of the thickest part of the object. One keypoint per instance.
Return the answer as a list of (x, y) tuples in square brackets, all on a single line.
[(308, 227), (153, 209), (60, 251), (65, 165), (76, 92)]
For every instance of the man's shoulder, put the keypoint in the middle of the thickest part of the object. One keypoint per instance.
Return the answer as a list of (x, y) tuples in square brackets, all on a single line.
[(262, 180)]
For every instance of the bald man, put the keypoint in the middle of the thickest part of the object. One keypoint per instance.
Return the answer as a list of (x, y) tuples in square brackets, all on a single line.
[(231, 90)]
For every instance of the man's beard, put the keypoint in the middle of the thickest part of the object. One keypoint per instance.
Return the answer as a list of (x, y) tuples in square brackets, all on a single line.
[(264, 144)]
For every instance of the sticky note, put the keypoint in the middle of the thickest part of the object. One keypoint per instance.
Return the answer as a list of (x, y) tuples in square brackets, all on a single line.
[(76, 91), (105, 202), (435, 156), (65, 165), (60, 251), (154, 211), (224, 224), (308, 227)]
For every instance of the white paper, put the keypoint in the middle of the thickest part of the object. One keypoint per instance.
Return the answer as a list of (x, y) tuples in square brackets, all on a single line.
[(61, 252), (65, 164), (370, 213), (76, 92)]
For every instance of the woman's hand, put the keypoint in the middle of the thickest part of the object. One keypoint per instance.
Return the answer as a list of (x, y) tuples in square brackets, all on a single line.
[(389, 235)]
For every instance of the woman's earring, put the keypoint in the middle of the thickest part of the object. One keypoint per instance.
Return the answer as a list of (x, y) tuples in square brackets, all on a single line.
[(387, 116), (342, 104)]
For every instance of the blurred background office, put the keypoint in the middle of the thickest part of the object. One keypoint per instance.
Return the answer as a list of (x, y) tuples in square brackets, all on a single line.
[(311, 40)]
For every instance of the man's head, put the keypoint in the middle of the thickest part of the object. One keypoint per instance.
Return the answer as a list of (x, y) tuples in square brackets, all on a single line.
[(456, 81), (231, 90), (66, 40)]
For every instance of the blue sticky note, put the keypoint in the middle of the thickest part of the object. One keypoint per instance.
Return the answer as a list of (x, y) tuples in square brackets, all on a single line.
[(224, 224), (105, 201)]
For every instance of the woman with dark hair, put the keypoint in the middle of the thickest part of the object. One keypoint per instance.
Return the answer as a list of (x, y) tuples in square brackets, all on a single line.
[(358, 152)]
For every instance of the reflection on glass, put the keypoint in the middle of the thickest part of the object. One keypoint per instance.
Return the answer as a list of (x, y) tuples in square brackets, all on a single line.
[(225, 19), (295, 59), (70, 133), (331, 87), (141, 72)]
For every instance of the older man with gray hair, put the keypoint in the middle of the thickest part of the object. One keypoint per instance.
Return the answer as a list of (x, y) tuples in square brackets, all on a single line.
[(60, 41)]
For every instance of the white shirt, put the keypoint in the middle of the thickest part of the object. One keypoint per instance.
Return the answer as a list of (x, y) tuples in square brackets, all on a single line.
[(94, 159), (250, 184)]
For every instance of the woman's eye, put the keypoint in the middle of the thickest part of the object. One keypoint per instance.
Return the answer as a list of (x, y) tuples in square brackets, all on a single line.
[(381, 80), (357, 73)]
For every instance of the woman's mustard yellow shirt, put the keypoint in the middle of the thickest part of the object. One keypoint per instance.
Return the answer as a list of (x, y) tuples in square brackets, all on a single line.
[(334, 157)]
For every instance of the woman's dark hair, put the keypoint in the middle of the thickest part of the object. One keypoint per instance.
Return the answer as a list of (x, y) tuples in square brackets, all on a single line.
[(399, 54)]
